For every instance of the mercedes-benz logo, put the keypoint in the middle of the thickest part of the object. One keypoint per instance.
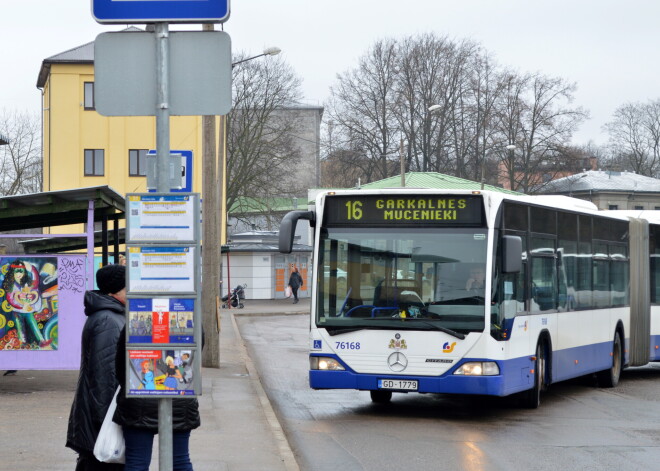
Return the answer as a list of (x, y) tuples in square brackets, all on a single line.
[(397, 362)]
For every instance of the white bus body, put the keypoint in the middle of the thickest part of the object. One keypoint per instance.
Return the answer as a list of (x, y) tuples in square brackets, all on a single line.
[(408, 314)]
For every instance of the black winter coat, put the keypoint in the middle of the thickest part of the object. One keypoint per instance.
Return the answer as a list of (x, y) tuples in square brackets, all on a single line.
[(143, 413), (97, 381), (295, 280)]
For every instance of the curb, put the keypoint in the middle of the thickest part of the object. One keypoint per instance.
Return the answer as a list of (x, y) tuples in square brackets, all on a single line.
[(286, 454), (266, 314)]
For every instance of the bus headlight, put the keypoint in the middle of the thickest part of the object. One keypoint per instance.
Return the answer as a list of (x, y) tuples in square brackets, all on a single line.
[(478, 368), (324, 363)]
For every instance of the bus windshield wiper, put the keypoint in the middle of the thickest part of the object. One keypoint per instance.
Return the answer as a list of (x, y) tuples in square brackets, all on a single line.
[(342, 330), (453, 333)]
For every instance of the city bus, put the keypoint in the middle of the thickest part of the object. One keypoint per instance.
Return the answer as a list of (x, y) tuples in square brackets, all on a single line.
[(475, 292)]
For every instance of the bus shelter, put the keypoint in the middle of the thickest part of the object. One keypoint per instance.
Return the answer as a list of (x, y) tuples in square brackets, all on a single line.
[(42, 286)]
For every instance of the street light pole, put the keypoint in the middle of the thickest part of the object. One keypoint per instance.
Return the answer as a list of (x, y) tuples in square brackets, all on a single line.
[(512, 174)]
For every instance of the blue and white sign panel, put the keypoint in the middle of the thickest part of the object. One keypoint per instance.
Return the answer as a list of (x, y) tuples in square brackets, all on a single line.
[(160, 11)]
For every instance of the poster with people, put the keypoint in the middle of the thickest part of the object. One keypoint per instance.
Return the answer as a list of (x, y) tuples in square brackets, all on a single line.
[(161, 372), (29, 297), (161, 320)]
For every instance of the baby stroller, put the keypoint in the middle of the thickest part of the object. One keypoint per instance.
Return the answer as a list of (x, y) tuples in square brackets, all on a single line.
[(237, 294)]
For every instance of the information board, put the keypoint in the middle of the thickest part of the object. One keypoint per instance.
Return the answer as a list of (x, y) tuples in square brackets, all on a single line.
[(161, 269), (162, 217), (163, 319)]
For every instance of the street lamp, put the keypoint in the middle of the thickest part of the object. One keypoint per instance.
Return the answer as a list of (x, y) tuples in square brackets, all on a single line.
[(269, 51)]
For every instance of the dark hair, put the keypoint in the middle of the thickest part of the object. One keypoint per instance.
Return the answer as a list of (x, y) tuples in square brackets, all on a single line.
[(8, 283)]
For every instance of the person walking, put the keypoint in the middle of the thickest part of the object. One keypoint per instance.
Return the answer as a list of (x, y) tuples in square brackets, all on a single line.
[(97, 381), (139, 421), (295, 282)]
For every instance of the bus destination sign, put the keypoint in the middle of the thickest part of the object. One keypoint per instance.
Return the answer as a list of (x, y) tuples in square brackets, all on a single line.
[(404, 209)]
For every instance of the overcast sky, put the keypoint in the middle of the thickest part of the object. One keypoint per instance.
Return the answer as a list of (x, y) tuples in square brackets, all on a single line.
[(609, 48)]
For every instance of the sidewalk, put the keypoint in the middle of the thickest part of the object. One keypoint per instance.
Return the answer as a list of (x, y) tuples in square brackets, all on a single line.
[(239, 431)]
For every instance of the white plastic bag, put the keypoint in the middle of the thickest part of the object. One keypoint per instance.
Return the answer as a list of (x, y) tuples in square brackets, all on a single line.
[(109, 446), (288, 292)]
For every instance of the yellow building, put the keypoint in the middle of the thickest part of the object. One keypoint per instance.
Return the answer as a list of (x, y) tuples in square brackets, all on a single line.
[(81, 148)]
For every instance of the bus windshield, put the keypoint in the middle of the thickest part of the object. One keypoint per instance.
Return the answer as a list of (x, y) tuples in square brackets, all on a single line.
[(402, 278)]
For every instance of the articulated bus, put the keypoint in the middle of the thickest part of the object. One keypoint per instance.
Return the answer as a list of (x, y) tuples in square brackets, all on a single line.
[(476, 292)]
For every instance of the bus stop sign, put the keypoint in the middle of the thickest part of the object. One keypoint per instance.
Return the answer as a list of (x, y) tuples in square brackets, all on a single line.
[(160, 11)]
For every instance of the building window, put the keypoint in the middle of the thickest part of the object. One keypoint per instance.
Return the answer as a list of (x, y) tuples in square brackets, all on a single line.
[(94, 161), (613, 206), (639, 207), (89, 96), (137, 162)]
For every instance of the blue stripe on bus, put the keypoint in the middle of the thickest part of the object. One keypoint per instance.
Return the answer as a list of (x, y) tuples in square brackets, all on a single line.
[(655, 352), (516, 377), (515, 374)]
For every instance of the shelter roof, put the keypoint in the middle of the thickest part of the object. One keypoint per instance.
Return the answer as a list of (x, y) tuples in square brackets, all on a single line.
[(57, 208)]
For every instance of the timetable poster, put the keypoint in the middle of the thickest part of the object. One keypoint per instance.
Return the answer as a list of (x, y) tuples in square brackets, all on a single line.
[(156, 218), (168, 372), (161, 269), (159, 321)]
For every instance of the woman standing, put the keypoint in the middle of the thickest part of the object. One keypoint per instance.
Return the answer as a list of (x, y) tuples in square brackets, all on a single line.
[(295, 282), (97, 382)]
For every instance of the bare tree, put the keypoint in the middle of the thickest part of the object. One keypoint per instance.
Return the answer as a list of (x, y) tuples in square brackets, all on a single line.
[(361, 109), (260, 131), (537, 117), (477, 110), (634, 137), (21, 168)]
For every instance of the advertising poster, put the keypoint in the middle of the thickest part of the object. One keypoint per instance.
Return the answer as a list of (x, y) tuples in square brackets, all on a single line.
[(156, 218), (161, 320), (29, 297), (161, 372), (161, 269)]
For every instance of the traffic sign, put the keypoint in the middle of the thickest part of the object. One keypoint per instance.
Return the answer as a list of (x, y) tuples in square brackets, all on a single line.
[(160, 11), (126, 73)]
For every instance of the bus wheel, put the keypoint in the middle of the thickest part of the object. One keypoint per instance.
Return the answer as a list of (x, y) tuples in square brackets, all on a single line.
[(610, 377), (381, 397), (532, 399)]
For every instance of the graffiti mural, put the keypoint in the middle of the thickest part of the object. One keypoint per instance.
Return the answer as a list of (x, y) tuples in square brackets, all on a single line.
[(29, 297)]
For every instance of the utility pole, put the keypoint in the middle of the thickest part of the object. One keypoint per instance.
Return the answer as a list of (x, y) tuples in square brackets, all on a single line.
[(211, 241)]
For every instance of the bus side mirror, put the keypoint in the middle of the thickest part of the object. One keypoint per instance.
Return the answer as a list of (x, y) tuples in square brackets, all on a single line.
[(288, 228), (511, 254)]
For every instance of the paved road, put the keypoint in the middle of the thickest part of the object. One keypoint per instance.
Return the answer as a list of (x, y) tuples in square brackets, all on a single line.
[(577, 427)]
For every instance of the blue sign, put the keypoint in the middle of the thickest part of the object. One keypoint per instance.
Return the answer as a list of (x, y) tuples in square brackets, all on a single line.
[(186, 169), (160, 11)]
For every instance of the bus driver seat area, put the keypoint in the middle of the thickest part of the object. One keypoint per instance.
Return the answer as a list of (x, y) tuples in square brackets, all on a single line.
[(395, 296)]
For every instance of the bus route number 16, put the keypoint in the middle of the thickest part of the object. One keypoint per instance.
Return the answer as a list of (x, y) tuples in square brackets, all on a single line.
[(354, 209)]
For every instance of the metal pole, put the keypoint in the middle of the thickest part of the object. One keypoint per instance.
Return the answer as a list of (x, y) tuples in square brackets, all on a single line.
[(403, 166), (162, 186), (483, 170)]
